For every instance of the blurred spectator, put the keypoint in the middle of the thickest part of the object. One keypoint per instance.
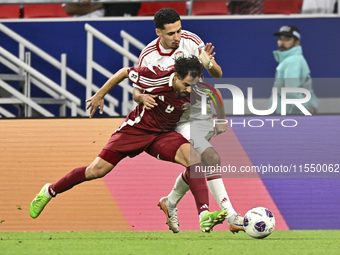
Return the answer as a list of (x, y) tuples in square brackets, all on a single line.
[(84, 9), (121, 9), (88, 10), (292, 71), (246, 7), (282, 6), (320, 6)]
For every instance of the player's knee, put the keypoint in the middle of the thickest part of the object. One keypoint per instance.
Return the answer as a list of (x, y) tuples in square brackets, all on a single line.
[(213, 160), (195, 157), (94, 173), (187, 155), (97, 170), (211, 157)]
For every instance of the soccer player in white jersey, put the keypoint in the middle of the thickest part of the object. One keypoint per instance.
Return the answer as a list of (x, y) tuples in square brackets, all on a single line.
[(173, 43)]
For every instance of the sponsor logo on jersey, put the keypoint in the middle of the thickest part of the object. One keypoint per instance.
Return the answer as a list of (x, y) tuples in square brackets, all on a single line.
[(133, 76)]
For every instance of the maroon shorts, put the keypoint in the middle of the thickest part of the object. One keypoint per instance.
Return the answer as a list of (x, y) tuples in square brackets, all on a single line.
[(131, 141)]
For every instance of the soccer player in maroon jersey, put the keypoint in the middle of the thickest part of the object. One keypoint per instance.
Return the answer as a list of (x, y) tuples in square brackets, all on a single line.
[(173, 42), (151, 130)]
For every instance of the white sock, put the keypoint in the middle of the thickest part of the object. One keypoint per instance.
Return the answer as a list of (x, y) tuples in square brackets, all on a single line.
[(230, 218), (178, 191), (47, 193), (201, 215), (220, 194)]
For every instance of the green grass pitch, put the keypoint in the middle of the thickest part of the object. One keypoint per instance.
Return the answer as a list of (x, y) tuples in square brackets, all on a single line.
[(219, 242)]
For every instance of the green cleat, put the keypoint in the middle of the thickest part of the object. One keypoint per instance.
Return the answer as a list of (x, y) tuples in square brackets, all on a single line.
[(211, 219), (39, 202)]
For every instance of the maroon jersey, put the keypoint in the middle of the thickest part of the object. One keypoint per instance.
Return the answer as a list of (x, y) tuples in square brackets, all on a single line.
[(164, 117)]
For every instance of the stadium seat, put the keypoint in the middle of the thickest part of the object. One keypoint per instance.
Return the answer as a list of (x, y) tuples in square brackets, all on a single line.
[(44, 11), (9, 11), (210, 8), (149, 9), (282, 7)]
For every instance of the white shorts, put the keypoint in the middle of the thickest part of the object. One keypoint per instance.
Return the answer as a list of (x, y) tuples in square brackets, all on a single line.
[(198, 132)]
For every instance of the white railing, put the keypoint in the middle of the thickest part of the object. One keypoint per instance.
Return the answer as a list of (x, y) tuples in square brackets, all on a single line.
[(40, 76), (127, 40), (22, 98), (127, 105), (58, 92), (7, 114), (74, 101)]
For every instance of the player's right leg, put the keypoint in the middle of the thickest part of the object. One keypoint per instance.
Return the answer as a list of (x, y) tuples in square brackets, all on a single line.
[(170, 212), (211, 158), (97, 169)]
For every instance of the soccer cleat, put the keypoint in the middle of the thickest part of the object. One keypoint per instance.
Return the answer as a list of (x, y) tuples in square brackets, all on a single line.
[(39, 202), (237, 224), (170, 213), (211, 219)]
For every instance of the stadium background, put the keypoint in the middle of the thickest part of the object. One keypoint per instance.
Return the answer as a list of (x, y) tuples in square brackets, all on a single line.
[(35, 151)]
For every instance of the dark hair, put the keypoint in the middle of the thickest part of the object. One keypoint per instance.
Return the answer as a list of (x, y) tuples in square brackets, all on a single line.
[(188, 66), (165, 16)]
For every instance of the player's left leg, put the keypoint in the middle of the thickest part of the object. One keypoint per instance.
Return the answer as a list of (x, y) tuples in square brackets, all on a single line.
[(97, 169), (115, 150)]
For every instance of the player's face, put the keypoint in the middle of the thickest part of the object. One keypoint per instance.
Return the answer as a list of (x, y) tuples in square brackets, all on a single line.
[(285, 43), (183, 87), (170, 35)]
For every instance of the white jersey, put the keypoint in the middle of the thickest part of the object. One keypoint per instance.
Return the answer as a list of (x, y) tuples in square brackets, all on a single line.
[(155, 55), (195, 111)]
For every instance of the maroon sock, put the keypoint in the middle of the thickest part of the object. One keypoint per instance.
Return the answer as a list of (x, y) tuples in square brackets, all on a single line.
[(74, 177), (198, 187)]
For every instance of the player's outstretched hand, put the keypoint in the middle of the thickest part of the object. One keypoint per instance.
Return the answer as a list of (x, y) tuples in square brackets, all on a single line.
[(209, 49), (95, 102), (149, 101), (207, 55)]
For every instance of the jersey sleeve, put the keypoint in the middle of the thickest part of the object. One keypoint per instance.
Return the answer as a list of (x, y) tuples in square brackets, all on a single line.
[(149, 79), (195, 42), (134, 76)]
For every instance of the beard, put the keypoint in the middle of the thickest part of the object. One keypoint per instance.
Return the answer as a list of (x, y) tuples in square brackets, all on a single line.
[(183, 95)]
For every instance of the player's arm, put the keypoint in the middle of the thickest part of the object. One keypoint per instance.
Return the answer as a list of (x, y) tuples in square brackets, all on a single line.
[(219, 128), (208, 61), (98, 99), (146, 99)]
